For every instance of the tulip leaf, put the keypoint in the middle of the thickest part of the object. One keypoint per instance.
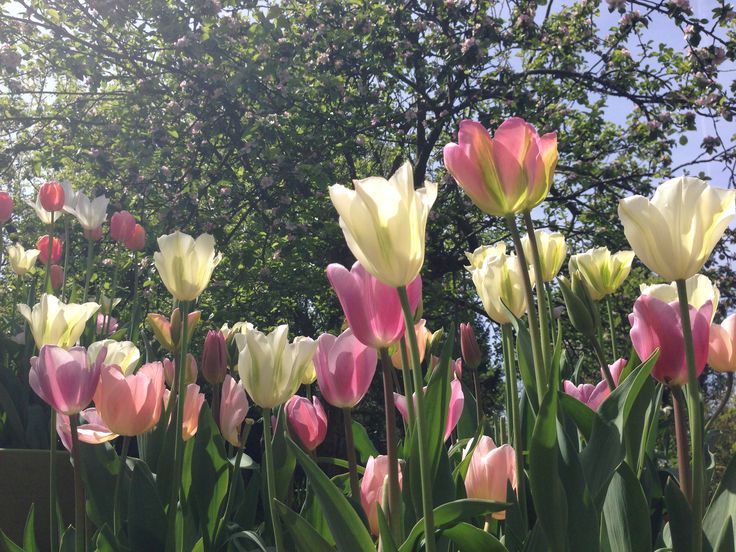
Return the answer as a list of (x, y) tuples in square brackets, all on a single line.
[(525, 359), (470, 537), (450, 514), (726, 542), (680, 514), (467, 423), (626, 513), (29, 532), (387, 539), (146, 516), (312, 513), (345, 524), (101, 468), (283, 460), (305, 537), (249, 537), (363, 444), (579, 412), (9, 545), (722, 506)]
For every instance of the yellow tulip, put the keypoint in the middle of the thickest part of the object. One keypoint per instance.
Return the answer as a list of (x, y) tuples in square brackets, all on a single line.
[(55, 323), (675, 232), (21, 260), (601, 272), (552, 252), (699, 290), (185, 264), (499, 281), (384, 223)]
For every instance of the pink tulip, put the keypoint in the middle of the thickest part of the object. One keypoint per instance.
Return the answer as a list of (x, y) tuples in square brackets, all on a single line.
[(170, 367), (489, 472), (469, 346), (372, 308), (131, 405), (371, 488), (6, 207), (57, 277), (454, 410), (307, 420), (65, 379), (722, 346), (122, 226), (93, 432), (233, 408), (51, 196), (507, 174), (457, 367), (616, 368), (137, 239), (423, 336), (590, 395), (214, 357), (345, 368), (193, 401), (94, 235), (111, 322), (656, 324), (42, 244)]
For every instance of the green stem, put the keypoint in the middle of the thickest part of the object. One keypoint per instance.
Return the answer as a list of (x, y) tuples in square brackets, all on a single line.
[(88, 274), (350, 451), (49, 256), (114, 290), (406, 376), (271, 481), (540, 373), (683, 463), (602, 363), (541, 295), (611, 328), (476, 390), (79, 525), (394, 491), (419, 421), (216, 393), (136, 297), (552, 324), (54, 536), (66, 257), (233, 482), (696, 419), (117, 515)]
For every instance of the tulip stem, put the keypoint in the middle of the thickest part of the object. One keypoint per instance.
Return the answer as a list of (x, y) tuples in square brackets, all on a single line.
[(216, 392), (696, 419), (724, 401), (54, 536), (602, 363), (611, 328), (114, 290), (117, 513), (132, 331), (233, 482), (552, 324), (516, 425), (406, 376), (49, 255), (419, 422), (476, 390), (394, 492), (541, 294), (66, 257), (350, 451), (271, 481), (683, 462), (540, 373), (88, 273), (79, 529)]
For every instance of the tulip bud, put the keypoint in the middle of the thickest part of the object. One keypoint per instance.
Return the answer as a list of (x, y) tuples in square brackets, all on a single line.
[(307, 420), (469, 346), (57, 277), (137, 239), (176, 325), (490, 471), (372, 487), (161, 328), (578, 303), (43, 246), (214, 357), (51, 196), (94, 235), (191, 373), (6, 207), (122, 226)]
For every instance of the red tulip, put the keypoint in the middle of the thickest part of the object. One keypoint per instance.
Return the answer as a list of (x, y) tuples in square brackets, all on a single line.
[(51, 196), (122, 226), (307, 420), (137, 239), (43, 246), (6, 207)]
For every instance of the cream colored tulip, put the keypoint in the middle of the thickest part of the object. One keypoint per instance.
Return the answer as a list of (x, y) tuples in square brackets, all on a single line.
[(699, 290), (185, 264), (271, 369), (90, 214), (21, 260), (239, 328), (675, 233), (481, 253), (123, 354), (500, 281), (552, 252), (310, 371), (601, 272), (55, 323), (384, 223)]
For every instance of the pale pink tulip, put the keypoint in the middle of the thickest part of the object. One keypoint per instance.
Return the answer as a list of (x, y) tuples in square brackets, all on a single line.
[(454, 409), (371, 488), (93, 431), (722, 346), (170, 367), (101, 322), (490, 470), (233, 408), (193, 401), (423, 336), (616, 368), (307, 420), (590, 395)]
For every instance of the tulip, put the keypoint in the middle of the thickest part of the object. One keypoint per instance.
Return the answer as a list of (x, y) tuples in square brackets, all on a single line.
[(233, 408), (372, 308), (310, 374), (699, 290), (469, 346), (131, 405), (675, 232), (507, 174), (193, 401), (480, 254), (454, 408), (271, 368), (457, 367), (90, 214), (384, 223), (6, 207), (656, 324), (57, 277), (137, 239), (490, 471), (108, 303), (65, 380), (424, 336), (122, 354), (51, 196), (185, 264), (239, 328), (722, 345), (307, 420), (93, 432), (552, 252), (167, 332), (103, 321), (94, 235), (371, 488), (602, 272), (55, 323), (615, 369), (345, 368), (43, 246), (170, 368), (590, 395), (122, 226), (22, 260), (43, 215), (500, 281), (214, 358)]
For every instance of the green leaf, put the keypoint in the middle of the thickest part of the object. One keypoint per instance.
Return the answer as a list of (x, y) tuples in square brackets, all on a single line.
[(470, 537), (580, 413), (283, 459), (29, 533), (101, 468), (305, 537), (680, 523), (345, 524), (146, 517), (726, 541), (627, 513), (363, 444), (9, 545), (526, 364), (722, 506), (387, 539)]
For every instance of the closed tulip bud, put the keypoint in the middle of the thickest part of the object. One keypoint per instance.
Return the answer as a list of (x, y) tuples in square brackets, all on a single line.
[(499, 282), (233, 408), (699, 288), (22, 260), (581, 310), (161, 328), (490, 471), (131, 405), (94, 235), (454, 407), (506, 174), (6, 207), (170, 368), (185, 264), (601, 272), (657, 325), (43, 246), (552, 252), (55, 323), (122, 354), (372, 488), (469, 346), (590, 395), (345, 368), (423, 336), (307, 420), (137, 239), (57, 277), (214, 357), (675, 233), (384, 223), (122, 225), (51, 196), (722, 345)]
